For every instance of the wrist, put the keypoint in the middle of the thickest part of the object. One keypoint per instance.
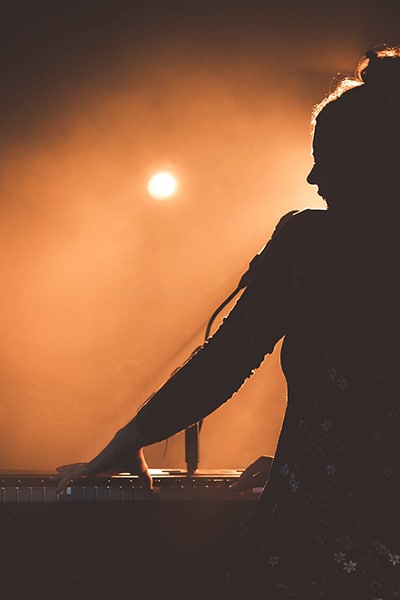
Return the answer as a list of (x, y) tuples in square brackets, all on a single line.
[(131, 435)]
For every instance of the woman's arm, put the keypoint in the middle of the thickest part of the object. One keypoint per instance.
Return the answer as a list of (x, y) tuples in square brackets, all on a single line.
[(214, 372)]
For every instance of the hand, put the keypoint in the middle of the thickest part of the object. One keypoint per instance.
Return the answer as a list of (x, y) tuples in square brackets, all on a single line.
[(255, 475), (136, 465), (68, 474)]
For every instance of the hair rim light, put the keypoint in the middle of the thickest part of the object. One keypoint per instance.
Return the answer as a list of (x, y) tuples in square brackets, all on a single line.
[(340, 84)]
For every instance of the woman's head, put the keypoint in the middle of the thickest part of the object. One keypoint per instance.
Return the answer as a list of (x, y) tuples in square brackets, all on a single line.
[(356, 132)]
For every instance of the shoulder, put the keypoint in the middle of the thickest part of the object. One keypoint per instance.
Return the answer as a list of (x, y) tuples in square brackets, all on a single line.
[(301, 221), (295, 236), (299, 229)]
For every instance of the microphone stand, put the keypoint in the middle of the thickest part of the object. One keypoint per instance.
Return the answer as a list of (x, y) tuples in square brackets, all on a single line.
[(192, 448), (192, 432)]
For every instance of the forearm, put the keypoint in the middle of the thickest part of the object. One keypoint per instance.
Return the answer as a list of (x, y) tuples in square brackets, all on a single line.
[(190, 395), (209, 379), (119, 450)]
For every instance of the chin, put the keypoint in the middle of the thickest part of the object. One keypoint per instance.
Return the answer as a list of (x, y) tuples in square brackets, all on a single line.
[(323, 196)]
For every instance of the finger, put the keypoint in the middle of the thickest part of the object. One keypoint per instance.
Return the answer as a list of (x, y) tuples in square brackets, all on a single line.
[(67, 478), (69, 475), (146, 480), (62, 485), (68, 467)]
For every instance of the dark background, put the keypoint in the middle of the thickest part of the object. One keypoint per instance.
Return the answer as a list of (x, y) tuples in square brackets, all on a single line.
[(104, 291)]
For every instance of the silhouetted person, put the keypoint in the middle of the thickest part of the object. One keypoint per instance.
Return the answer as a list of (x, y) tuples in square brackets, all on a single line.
[(326, 525)]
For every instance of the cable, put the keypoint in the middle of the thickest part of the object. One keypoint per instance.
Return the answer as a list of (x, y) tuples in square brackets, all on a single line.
[(218, 310), (192, 432)]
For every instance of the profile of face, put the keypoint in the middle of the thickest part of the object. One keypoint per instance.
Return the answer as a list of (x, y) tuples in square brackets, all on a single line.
[(339, 176), (356, 135)]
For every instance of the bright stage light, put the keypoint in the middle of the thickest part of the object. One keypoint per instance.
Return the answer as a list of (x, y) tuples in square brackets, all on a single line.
[(161, 185)]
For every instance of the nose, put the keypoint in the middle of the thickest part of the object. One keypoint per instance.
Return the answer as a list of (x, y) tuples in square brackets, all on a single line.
[(311, 176)]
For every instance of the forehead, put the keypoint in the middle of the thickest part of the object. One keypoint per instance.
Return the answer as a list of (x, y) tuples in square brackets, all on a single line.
[(333, 137), (322, 143)]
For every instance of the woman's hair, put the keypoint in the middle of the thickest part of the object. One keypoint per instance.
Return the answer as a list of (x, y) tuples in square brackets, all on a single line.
[(360, 118), (378, 70)]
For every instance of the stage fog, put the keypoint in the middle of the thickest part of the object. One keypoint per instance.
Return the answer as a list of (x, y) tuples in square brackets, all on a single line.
[(105, 290)]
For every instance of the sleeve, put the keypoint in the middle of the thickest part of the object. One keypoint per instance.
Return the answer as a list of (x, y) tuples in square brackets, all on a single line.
[(218, 369)]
